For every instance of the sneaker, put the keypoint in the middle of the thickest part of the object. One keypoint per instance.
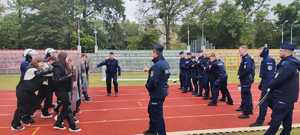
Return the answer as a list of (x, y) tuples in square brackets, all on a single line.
[(59, 126), (46, 116), (75, 129), (244, 116), (18, 128), (212, 104), (255, 124)]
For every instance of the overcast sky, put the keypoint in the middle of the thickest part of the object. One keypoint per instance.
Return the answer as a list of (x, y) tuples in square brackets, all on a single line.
[(132, 6)]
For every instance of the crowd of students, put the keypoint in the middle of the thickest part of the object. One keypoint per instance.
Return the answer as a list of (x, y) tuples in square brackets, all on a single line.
[(59, 74)]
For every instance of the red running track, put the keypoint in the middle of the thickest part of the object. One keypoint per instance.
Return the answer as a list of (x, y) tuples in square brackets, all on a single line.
[(127, 114)]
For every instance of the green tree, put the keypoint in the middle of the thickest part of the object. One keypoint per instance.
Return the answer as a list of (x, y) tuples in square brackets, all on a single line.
[(168, 12)]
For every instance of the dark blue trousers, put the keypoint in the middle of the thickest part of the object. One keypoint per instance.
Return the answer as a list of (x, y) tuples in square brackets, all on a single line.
[(181, 79), (204, 84), (220, 85), (156, 116), (282, 114), (263, 109), (246, 95), (109, 78)]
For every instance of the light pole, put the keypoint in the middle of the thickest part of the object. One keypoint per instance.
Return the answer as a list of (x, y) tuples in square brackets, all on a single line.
[(292, 25), (96, 40), (78, 34), (282, 31)]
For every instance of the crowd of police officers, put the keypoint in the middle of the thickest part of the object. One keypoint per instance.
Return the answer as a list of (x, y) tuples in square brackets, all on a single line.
[(203, 73)]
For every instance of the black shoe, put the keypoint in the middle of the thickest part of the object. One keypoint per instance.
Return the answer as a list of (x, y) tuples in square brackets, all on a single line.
[(229, 103), (148, 132), (239, 109), (244, 116), (223, 100), (255, 124), (17, 128), (212, 104), (74, 129), (59, 126), (205, 98)]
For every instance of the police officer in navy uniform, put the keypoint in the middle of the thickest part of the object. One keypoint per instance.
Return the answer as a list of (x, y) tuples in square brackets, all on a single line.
[(187, 73), (284, 91), (112, 71), (26, 62), (267, 72), (219, 77), (181, 69), (157, 86), (195, 73), (246, 74), (203, 75)]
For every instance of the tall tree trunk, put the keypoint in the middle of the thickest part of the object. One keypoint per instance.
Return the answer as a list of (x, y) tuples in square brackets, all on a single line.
[(168, 33)]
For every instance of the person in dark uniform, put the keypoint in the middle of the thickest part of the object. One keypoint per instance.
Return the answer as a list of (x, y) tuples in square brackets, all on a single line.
[(188, 87), (25, 91), (62, 76), (211, 80), (113, 70), (46, 91), (246, 74), (203, 75), (157, 86), (25, 64), (267, 72), (181, 69), (284, 91), (219, 77), (195, 73)]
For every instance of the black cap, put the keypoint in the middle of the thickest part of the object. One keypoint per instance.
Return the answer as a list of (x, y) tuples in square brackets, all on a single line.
[(287, 46), (188, 53), (111, 53), (193, 57), (159, 48), (180, 53)]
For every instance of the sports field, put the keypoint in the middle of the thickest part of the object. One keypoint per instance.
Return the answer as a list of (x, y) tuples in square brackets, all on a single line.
[(127, 114)]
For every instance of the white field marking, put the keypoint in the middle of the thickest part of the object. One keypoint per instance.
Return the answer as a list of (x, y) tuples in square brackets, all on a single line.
[(226, 130), (144, 119)]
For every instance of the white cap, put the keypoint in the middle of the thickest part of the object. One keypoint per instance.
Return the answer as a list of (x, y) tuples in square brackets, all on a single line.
[(29, 52), (49, 50)]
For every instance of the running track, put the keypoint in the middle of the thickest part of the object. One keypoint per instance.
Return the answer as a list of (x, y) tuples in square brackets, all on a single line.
[(127, 114)]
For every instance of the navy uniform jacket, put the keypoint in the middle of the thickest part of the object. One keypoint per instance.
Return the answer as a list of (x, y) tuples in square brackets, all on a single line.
[(187, 66), (157, 83), (195, 69), (285, 85), (246, 70), (218, 71), (203, 66), (267, 71), (24, 66), (182, 65), (112, 66)]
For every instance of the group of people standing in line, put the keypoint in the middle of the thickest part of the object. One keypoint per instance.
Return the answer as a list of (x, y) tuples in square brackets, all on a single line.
[(202, 74)]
